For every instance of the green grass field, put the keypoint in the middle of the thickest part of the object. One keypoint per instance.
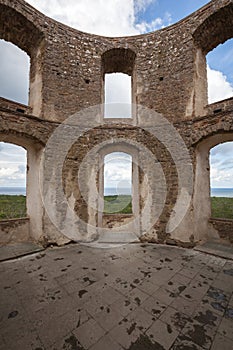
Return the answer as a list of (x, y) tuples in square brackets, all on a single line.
[(15, 206), (12, 207), (222, 207), (121, 204)]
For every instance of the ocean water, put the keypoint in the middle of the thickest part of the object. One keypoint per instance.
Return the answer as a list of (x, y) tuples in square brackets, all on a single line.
[(116, 191), (22, 191), (13, 190), (221, 192), (215, 192)]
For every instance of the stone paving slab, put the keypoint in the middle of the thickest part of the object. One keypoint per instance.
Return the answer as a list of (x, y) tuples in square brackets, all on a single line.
[(125, 297), (217, 248), (15, 250)]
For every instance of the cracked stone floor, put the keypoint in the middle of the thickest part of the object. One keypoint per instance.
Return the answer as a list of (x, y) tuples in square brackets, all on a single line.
[(135, 296)]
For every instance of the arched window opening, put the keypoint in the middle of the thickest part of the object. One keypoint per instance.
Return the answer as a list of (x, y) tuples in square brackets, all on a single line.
[(220, 72), (118, 95), (118, 183), (13, 163), (118, 83), (14, 73), (221, 180)]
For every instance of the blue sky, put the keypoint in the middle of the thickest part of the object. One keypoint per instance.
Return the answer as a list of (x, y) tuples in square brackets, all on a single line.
[(115, 18), (221, 59), (176, 10)]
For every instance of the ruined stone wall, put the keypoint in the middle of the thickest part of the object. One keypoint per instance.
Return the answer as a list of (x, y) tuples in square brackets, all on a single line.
[(168, 70), (14, 230), (224, 228), (70, 62)]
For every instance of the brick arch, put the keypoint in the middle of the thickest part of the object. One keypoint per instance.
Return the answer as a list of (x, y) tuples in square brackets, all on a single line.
[(18, 29), (25, 128), (118, 60), (20, 139), (209, 128), (215, 29), (219, 138)]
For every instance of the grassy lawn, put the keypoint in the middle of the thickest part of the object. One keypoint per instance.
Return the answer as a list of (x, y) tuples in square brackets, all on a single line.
[(12, 207), (121, 204), (15, 206), (222, 207)]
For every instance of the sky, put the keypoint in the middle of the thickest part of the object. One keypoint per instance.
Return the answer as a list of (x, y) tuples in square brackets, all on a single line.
[(117, 103), (118, 172), (114, 18), (12, 165), (221, 171)]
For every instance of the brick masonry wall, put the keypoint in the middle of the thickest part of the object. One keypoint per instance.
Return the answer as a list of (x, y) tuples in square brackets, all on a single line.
[(71, 62), (169, 77)]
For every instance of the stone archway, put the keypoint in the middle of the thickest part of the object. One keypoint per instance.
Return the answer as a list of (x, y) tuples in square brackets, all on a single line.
[(22, 32), (201, 197), (119, 224), (33, 198)]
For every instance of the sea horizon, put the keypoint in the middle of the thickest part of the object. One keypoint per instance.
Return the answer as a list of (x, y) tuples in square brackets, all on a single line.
[(110, 191), (10, 190), (221, 192)]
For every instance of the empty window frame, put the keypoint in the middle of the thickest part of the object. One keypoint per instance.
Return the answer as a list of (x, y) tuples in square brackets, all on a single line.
[(118, 95), (118, 183), (13, 163), (221, 180), (220, 72), (14, 73)]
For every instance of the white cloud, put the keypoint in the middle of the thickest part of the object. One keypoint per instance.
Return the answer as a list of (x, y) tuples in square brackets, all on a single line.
[(12, 176), (109, 18), (157, 23), (117, 95), (14, 81), (218, 86), (12, 165), (221, 170), (141, 5), (221, 178), (117, 170), (117, 88), (222, 150)]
